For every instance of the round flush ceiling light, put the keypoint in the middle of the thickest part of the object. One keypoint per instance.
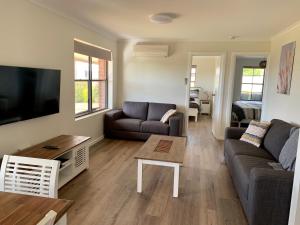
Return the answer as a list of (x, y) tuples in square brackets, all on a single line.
[(234, 37), (162, 18)]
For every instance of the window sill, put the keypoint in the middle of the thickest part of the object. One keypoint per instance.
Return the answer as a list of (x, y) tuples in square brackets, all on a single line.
[(91, 114)]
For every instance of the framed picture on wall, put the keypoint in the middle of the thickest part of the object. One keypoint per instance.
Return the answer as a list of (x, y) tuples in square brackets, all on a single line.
[(286, 68)]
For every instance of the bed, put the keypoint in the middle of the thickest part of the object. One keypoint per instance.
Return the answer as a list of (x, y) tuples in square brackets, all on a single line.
[(245, 111), (194, 104)]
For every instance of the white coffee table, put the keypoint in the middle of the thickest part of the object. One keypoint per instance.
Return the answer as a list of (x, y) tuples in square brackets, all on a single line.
[(160, 150)]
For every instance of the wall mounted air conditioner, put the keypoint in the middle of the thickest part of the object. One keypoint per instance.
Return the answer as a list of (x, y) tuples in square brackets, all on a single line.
[(147, 50)]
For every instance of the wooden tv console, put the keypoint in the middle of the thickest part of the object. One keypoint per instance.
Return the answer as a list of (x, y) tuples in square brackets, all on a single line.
[(72, 151)]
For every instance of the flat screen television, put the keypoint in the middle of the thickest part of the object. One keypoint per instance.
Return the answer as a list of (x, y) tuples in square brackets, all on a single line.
[(27, 93)]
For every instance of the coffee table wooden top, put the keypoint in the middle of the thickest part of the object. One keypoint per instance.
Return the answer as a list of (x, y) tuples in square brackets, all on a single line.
[(163, 148)]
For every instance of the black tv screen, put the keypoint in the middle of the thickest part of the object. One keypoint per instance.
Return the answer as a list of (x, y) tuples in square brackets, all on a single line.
[(27, 93)]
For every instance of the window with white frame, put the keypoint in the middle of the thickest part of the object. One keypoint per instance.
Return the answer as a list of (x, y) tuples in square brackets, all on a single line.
[(252, 84)]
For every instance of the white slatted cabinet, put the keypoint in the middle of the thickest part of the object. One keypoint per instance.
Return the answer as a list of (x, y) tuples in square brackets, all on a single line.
[(77, 161)]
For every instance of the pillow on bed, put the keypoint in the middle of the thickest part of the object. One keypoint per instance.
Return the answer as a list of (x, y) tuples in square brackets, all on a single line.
[(255, 133), (167, 115), (194, 93)]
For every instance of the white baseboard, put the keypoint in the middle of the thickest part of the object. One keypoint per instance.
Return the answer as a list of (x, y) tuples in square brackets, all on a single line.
[(220, 138), (96, 140)]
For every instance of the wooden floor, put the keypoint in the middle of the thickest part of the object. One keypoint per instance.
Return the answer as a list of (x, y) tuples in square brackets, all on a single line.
[(106, 193)]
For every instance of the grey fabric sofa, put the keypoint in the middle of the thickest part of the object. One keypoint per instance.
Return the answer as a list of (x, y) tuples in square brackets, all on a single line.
[(138, 120), (265, 193)]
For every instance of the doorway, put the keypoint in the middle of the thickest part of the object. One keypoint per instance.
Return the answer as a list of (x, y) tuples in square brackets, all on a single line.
[(249, 78), (205, 88)]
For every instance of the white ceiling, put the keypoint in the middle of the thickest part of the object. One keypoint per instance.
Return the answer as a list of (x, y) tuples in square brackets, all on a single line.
[(201, 20)]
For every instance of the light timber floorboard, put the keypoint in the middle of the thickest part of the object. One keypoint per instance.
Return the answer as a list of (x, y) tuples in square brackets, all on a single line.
[(106, 193)]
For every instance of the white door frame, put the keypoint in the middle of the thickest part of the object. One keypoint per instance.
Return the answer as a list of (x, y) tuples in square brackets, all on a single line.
[(230, 88), (222, 55)]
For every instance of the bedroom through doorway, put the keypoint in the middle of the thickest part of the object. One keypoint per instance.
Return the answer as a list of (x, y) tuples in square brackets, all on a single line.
[(248, 90)]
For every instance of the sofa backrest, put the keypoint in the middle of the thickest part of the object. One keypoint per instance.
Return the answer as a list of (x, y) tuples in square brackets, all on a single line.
[(276, 137), (157, 110), (136, 110)]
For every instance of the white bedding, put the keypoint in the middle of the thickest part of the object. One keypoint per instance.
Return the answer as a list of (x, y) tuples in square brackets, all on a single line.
[(251, 109)]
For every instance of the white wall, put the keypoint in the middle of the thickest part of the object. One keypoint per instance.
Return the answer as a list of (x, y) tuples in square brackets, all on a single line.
[(162, 79), (280, 106), (34, 37), (240, 63), (205, 72), (285, 107)]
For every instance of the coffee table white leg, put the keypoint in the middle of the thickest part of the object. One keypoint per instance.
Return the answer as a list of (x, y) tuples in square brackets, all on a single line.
[(140, 176), (176, 181)]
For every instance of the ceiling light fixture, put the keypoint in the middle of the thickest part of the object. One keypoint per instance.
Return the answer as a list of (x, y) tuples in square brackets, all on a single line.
[(162, 18), (233, 37)]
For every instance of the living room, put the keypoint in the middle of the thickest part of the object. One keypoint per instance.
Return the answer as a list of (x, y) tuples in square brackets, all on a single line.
[(44, 34)]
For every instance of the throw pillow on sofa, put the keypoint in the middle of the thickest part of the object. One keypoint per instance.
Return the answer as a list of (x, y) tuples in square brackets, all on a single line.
[(167, 115), (255, 132), (288, 154)]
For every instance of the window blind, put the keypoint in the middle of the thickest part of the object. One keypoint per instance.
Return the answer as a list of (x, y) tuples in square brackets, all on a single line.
[(90, 50)]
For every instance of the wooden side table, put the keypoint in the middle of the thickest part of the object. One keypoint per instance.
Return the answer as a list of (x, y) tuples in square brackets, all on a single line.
[(205, 107)]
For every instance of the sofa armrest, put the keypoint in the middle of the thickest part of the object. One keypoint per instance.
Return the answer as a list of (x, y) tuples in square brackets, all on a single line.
[(114, 114), (109, 118), (234, 132), (176, 124), (269, 196)]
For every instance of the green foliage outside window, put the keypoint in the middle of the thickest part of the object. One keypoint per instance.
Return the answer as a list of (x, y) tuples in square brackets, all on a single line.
[(81, 92)]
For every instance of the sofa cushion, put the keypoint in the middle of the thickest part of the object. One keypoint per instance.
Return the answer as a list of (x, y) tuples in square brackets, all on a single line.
[(242, 166), (236, 147), (136, 110), (155, 127), (130, 135), (276, 137), (288, 155), (255, 132), (127, 124), (157, 110)]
